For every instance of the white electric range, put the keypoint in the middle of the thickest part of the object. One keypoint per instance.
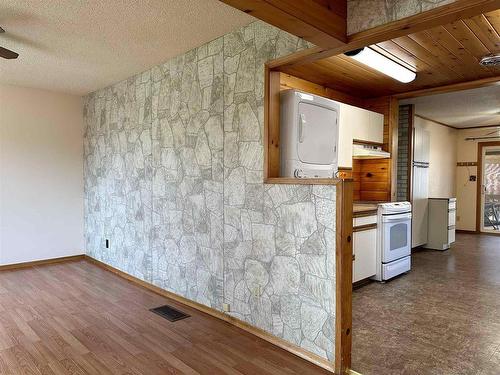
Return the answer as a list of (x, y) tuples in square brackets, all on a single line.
[(393, 240)]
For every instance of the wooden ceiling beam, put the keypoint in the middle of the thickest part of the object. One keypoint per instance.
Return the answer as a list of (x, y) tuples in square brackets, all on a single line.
[(322, 22), (446, 14)]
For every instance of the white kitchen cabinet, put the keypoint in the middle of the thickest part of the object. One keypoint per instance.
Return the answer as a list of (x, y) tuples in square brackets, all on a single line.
[(357, 123), (364, 248)]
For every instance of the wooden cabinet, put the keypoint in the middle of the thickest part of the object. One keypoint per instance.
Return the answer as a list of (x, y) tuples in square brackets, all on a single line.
[(364, 247), (357, 123)]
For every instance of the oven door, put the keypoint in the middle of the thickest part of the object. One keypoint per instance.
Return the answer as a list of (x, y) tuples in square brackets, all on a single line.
[(396, 237)]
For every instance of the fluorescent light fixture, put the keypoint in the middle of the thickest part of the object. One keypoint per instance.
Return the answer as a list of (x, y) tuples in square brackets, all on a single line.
[(383, 64)]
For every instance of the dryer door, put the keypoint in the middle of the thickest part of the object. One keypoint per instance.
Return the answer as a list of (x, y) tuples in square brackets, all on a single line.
[(318, 133)]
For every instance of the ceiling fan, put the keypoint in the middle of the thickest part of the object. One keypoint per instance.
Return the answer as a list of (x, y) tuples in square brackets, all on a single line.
[(7, 53)]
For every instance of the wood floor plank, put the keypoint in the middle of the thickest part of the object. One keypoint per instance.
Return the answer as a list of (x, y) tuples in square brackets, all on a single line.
[(75, 318)]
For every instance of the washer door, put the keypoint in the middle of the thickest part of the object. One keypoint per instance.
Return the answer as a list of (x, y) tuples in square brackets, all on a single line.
[(317, 134)]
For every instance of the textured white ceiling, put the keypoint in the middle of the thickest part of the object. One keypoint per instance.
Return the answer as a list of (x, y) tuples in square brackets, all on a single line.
[(461, 109), (77, 46)]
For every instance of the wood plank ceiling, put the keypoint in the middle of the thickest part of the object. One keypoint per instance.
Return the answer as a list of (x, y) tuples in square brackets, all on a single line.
[(442, 55)]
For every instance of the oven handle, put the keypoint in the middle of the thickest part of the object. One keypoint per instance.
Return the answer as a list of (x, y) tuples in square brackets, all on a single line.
[(389, 219)]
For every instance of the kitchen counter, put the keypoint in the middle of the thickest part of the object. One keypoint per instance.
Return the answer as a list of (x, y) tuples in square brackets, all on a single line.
[(364, 209)]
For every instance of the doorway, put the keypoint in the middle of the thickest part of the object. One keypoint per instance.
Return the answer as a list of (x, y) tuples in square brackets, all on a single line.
[(489, 187)]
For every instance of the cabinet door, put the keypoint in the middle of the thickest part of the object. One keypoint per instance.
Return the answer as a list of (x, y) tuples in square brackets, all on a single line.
[(376, 127), (365, 252)]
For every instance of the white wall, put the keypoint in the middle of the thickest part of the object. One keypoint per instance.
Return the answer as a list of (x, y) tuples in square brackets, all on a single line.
[(443, 158), (41, 175)]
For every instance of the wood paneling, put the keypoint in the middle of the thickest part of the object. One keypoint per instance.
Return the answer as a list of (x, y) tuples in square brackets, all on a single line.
[(356, 176), (443, 15), (441, 55), (288, 81), (372, 180), (322, 22)]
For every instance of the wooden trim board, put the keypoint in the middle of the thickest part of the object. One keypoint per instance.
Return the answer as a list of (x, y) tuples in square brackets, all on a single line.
[(483, 82), (435, 121), (42, 262), (303, 181), (271, 124), (343, 256), (467, 164), (321, 24), (481, 127), (365, 213), (289, 347), (362, 228), (363, 142)]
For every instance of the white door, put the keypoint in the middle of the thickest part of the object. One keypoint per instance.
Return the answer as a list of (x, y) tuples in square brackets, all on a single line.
[(318, 132), (419, 204), (490, 189)]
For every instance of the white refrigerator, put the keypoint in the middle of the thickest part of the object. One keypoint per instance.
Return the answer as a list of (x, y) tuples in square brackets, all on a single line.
[(420, 186)]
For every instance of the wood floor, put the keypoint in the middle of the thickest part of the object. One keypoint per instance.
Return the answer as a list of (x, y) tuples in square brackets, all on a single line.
[(75, 318), (442, 318)]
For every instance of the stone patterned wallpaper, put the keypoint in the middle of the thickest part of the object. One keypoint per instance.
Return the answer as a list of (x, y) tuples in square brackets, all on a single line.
[(365, 14), (117, 170), (174, 179)]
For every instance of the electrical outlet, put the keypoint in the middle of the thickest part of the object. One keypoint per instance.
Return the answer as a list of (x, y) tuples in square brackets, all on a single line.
[(226, 307)]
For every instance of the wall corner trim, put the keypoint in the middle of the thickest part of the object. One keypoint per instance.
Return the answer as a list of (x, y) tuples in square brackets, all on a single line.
[(15, 266)]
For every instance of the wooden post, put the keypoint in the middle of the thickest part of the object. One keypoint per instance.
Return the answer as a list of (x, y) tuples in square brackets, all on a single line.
[(271, 124), (343, 252)]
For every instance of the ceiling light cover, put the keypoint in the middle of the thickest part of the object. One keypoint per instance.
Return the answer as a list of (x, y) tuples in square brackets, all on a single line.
[(383, 64), (491, 60)]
